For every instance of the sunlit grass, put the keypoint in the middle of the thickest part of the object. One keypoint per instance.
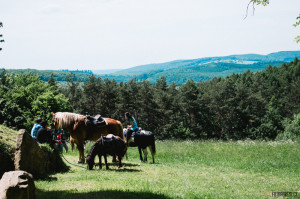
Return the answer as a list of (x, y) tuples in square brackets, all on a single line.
[(186, 169)]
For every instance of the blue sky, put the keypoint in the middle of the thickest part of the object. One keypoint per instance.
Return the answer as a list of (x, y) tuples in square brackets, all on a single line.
[(114, 34)]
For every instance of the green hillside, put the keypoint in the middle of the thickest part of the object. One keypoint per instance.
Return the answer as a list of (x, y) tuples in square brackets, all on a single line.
[(206, 71), (197, 72), (273, 57), (203, 69), (178, 71)]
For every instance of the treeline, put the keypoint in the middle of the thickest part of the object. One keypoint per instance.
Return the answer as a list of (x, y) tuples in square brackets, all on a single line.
[(257, 105), (261, 105), (45, 75)]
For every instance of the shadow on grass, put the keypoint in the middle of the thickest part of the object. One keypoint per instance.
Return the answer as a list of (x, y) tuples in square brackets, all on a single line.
[(123, 169), (128, 170), (107, 194)]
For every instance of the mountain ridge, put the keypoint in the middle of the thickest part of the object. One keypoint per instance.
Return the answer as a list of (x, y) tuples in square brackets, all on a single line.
[(239, 63)]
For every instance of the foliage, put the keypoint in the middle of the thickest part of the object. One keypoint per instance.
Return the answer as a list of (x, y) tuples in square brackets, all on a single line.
[(260, 2), (25, 97), (1, 40), (51, 75), (291, 129)]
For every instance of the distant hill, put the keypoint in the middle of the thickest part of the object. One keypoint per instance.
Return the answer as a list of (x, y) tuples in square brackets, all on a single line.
[(59, 75), (178, 71), (97, 72), (203, 69)]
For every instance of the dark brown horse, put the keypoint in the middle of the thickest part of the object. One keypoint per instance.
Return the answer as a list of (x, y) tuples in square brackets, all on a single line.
[(106, 145), (79, 131)]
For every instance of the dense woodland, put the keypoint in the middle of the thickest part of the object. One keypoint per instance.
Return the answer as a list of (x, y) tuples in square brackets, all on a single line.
[(260, 105)]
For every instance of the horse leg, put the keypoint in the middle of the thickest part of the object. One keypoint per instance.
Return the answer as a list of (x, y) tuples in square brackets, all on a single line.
[(114, 158), (152, 153), (140, 152), (100, 162), (120, 163), (105, 159), (145, 154), (81, 152), (72, 144)]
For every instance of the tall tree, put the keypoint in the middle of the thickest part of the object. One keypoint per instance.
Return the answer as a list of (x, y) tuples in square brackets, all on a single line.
[(74, 93), (91, 92)]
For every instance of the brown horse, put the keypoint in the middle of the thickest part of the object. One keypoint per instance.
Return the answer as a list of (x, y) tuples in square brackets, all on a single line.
[(79, 131)]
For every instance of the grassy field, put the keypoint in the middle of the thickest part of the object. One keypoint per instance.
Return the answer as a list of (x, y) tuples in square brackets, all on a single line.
[(186, 169)]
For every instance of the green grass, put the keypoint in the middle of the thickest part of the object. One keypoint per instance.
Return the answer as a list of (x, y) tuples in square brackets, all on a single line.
[(186, 169)]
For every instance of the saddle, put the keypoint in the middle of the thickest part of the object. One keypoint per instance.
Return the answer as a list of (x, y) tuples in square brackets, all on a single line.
[(97, 121), (112, 145), (141, 132), (106, 139)]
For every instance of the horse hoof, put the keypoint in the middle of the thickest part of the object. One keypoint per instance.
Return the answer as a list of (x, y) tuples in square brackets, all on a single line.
[(80, 162)]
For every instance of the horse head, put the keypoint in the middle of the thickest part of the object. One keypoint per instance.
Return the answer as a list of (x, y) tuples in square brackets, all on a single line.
[(90, 162), (90, 158), (54, 121)]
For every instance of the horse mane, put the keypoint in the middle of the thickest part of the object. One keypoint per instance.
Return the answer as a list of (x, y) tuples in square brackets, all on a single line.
[(67, 119)]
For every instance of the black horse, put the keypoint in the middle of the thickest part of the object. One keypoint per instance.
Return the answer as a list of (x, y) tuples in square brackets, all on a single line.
[(142, 139), (111, 145)]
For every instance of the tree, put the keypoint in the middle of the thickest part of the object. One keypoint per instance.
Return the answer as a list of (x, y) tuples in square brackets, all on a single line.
[(91, 92), (297, 39), (74, 93), (1, 40)]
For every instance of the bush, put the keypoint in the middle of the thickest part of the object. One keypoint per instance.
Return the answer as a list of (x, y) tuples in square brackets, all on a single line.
[(291, 129)]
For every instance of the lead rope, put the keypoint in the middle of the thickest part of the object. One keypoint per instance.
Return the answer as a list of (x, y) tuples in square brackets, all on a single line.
[(71, 163)]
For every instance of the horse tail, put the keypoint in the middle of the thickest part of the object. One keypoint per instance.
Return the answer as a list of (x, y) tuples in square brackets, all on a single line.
[(153, 144)]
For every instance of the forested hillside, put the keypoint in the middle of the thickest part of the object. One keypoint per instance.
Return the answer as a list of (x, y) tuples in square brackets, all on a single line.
[(261, 105), (178, 71), (203, 69)]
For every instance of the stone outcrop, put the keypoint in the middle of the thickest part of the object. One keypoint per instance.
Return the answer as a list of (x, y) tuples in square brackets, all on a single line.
[(17, 185), (36, 159)]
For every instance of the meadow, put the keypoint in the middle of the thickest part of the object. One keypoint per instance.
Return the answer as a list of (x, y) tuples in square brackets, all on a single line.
[(186, 169)]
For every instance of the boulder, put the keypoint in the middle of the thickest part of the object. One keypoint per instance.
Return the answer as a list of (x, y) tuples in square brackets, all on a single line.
[(17, 185), (35, 159), (29, 156)]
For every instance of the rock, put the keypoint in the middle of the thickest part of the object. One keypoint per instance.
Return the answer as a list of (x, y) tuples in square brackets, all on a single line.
[(29, 156), (35, 159), (17, 185)]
